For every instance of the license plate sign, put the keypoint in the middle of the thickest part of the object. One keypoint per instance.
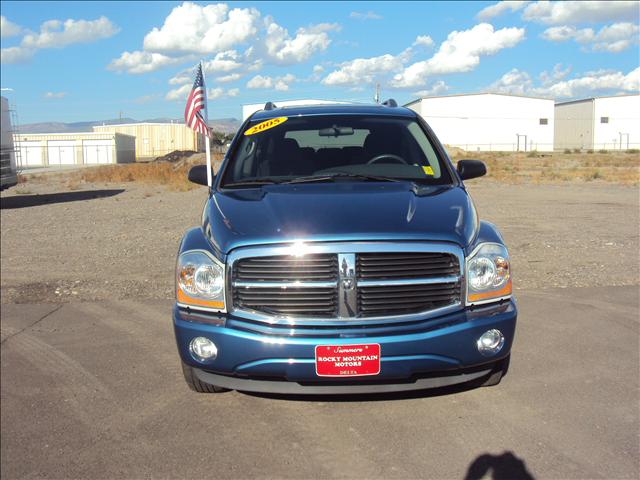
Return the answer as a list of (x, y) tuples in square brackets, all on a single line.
[(347, 360)]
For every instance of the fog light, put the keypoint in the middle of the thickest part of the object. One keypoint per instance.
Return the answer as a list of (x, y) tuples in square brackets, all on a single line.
[(490, 342), (203, 349)]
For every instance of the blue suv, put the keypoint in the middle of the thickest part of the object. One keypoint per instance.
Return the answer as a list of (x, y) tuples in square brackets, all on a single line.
[(340, 252)]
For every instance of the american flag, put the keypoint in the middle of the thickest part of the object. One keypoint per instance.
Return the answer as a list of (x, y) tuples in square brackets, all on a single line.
[(197, 105)]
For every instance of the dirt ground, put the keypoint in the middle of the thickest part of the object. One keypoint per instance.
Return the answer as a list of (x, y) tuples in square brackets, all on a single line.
[(119, 241)]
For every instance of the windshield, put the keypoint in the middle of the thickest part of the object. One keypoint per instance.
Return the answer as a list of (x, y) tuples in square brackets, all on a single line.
[(334, 146)]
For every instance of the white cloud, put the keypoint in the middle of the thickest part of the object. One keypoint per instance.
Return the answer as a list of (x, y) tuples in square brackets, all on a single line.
[(260, 82), (557, 74), (364, 70), (8, 28), (191, 28), (282, 49), (461, 52), (438, 88), (16, 55), (144, 62), (229, 78), (226, 61), (181, 93), (215, 93), (282, 83), (55, 95), (58, 34), (424, 40), (365, 16), (55, 34), (592, 83), (499, 8), (513, 82), (191, 31), (279, 83), (222, 62), (611, 38), (554, 85), (573, 12)]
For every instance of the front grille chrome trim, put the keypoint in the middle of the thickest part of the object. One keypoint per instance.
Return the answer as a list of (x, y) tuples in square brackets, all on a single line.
[(244, 284), (302, 247), (408, 281)]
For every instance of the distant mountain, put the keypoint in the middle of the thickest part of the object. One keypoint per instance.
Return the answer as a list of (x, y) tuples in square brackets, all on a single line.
[(224, 125)]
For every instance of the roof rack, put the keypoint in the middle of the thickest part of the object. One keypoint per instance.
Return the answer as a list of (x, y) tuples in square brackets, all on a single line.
[(270, 106), (390, 103)]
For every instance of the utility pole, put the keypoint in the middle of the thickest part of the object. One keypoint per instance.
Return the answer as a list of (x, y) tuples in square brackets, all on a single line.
[(377, 97), (120, 116)]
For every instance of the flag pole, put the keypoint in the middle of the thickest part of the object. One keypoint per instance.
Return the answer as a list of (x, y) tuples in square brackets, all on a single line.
[(206, 119)]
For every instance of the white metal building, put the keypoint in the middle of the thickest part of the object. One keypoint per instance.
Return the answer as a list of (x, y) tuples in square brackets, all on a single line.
[(82, 148), (489, 121), (601, 123), (8, 165), (251, 108)]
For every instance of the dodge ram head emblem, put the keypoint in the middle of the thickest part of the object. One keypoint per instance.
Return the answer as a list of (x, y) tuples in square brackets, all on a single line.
[(347, 285)]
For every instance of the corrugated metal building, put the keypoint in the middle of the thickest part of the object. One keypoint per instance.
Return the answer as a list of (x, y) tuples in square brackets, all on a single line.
[(601, 123), (156, 139), (82, 148), (489, 121)]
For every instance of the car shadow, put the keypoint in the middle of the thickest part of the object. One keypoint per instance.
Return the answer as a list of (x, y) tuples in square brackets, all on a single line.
[(505, 466), (24, 201)]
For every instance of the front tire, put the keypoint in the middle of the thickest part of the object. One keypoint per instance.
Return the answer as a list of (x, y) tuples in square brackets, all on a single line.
[(499, 371), (196, 384)]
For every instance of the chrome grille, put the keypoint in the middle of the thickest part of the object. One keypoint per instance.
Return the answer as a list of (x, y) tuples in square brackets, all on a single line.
[(406, 299), (288, 268), (307, 302), (364, 283), (406, 265)]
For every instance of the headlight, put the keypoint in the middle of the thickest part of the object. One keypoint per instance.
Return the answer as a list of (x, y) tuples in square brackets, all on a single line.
[(200, 281), (488, 274)]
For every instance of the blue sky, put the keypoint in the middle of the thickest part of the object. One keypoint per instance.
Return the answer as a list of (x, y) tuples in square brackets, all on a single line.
[(81, 61)]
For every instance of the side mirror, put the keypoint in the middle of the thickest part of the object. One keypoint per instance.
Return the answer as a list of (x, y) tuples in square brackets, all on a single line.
[(198, 174), (471, 169)]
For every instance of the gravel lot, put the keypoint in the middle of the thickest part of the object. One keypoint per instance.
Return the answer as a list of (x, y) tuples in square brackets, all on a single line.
[(119, 241)]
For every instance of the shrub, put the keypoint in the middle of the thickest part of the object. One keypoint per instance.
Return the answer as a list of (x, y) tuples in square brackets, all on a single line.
[(603, 151), (567, 150), (590, 150), (576, 150)]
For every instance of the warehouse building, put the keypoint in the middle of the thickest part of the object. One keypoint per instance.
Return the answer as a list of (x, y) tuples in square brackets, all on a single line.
[(601, 123), (157, 139), (251, 108), (490, 121), (67, 149)]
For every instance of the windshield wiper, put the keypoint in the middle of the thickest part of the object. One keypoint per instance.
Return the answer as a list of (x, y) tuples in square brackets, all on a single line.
[(257, 182), (333, 176)]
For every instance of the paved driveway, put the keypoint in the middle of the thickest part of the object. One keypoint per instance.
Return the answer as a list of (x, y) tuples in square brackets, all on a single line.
[(95, 390)]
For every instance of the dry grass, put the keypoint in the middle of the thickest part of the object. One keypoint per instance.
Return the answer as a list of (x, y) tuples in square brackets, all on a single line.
[(613, 167), (532, 167), (173, 175)]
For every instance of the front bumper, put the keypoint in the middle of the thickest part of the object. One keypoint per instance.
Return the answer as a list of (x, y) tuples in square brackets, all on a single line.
[(445, 354)]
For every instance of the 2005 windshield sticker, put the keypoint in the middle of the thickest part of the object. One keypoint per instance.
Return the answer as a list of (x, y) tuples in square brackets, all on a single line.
[(261, 127)]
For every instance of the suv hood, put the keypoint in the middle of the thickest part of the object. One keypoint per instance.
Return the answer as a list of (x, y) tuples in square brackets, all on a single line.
[(339, 212)]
